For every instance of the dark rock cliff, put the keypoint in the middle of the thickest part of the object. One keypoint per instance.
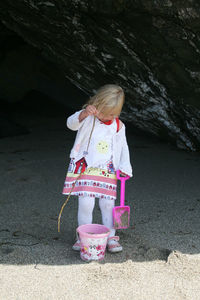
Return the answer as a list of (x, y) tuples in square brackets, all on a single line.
[(150, 47)]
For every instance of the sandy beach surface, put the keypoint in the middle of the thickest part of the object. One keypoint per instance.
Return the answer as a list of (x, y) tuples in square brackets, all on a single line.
[(161, 256)]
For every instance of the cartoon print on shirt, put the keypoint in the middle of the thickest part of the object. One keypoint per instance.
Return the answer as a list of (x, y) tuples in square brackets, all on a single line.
[(110, 167), (71, 166), (77, 147), (102, 147)]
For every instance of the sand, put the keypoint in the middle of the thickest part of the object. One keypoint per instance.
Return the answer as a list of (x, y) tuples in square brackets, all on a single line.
[(161, 256)]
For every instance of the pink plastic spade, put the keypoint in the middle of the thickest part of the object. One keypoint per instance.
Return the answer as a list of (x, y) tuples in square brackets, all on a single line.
[(121, 214)]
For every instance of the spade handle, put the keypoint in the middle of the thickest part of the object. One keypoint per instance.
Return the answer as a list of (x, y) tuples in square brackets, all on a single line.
[(122, 190)]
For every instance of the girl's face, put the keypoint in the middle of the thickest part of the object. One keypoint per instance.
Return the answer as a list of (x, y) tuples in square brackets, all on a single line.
[(108, 117)]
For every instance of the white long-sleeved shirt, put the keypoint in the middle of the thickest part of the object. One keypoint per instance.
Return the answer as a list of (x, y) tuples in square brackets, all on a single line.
[(121, 157)]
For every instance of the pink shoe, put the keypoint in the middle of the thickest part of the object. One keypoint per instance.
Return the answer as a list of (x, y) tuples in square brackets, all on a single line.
[(113, 245), (77, 246)]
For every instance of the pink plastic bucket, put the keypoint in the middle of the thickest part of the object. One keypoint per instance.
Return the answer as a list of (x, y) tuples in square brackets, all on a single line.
[(93, 238)]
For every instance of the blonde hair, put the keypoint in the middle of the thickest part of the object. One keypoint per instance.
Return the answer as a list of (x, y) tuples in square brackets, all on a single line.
[(108, 98)]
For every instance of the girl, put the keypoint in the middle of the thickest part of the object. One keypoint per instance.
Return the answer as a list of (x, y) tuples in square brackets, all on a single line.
[(100, 148)]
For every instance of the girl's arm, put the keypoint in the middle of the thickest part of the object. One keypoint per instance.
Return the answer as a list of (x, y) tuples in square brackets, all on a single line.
[(82, 115), (125, 165), (75, 121)]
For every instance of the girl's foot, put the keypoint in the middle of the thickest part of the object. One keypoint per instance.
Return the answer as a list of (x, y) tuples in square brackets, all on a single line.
[(113, 245), (77, 246)]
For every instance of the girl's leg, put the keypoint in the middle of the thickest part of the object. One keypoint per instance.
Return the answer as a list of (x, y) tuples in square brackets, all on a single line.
[(106, 207), (85, 210)]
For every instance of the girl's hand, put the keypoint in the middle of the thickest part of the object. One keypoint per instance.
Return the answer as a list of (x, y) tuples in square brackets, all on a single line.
[(123, 174), (91, 110)]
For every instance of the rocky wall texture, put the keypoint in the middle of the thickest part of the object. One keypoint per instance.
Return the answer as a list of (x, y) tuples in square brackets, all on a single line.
[(150, 47)]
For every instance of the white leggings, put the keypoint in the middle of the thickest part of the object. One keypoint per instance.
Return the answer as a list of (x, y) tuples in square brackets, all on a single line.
[(85, 212)]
